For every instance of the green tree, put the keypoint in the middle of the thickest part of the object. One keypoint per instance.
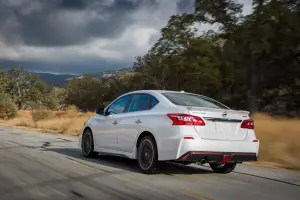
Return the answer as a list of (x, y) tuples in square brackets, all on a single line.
[(4, 80), (25, 87), (7, 107), (259, 45), (181, 60), (224, 13), (85, 93), (55, 98)]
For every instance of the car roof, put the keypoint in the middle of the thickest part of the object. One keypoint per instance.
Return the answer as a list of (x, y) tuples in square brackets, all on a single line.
[(155, 91), (161, 91), (164, 91)]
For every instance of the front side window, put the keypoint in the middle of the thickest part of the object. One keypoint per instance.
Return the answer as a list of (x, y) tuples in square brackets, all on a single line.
[(118, 106), (184, 99), (139, 102)]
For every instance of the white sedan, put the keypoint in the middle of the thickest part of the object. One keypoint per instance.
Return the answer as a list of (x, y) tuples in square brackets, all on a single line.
[(158, 125)]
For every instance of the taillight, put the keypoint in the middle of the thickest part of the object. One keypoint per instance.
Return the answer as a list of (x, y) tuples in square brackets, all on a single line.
[(248, 124), (185, 119)]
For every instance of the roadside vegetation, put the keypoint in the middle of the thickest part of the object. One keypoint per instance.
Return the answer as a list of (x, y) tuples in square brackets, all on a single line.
[(66, 122), (279, 141), (250, 62)]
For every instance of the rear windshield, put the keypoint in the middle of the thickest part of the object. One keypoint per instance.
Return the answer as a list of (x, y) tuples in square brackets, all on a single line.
[(184, 99)]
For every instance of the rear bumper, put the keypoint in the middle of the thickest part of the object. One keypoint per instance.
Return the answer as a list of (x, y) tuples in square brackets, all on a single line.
[(219, 157), (177, 148), (240, 151)]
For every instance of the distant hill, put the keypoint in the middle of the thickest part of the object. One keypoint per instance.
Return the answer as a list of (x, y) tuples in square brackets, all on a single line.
[(61, 80), (108, 73)]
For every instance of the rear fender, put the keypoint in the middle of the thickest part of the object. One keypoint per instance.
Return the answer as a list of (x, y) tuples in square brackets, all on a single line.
[(134, 151)]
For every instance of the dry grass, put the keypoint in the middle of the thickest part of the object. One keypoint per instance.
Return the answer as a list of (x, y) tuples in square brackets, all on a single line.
[(279, 137), (279, 141), (68, 122)]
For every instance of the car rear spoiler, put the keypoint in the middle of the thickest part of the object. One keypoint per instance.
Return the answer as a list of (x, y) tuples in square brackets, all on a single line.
[(241, 112)]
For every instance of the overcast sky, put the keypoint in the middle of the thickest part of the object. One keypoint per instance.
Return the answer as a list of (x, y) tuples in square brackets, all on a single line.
[(81, 36)]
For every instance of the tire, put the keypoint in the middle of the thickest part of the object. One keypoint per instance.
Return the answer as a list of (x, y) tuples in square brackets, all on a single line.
[(87, 146), (223, 168), (147, 155)]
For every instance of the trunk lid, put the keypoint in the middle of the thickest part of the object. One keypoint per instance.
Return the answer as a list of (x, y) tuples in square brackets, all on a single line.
[(221, 124)]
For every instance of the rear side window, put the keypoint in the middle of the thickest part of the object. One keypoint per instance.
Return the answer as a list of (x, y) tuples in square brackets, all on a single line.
[(153, 102), (140, 102), (184, 99)]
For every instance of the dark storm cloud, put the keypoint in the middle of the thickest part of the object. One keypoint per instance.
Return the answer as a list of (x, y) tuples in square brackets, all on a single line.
[(29, 27), (185, 6), (65, 22), (74, 4)]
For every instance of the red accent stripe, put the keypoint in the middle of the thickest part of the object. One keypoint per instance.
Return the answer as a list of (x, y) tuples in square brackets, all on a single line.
[(244, 154), (214, 153), (185, 156), (211, 153), (188, 137), (199, 152)]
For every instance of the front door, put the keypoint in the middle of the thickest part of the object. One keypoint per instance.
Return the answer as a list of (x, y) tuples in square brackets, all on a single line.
[(107, 128)]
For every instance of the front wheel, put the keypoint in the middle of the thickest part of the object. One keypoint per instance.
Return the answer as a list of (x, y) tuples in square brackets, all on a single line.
[(147, 155), (87, 147), (223, 168)]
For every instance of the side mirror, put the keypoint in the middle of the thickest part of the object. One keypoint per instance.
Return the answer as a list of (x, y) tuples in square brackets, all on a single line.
[(100, 111)]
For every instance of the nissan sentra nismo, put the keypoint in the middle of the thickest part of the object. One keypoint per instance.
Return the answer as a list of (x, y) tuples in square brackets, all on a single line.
[(157, 125)]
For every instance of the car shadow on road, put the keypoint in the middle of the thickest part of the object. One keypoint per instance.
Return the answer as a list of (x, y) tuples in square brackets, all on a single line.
[(128, 164)]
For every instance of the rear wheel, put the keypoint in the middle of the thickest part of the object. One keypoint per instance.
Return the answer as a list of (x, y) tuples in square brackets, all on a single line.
[(147, 155), (223, 168), (87, 147)]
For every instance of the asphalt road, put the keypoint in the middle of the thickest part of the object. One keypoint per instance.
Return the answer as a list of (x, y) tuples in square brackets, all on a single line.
[(42, 166)]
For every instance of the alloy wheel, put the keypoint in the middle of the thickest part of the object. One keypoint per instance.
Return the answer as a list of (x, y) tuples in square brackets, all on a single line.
[(146, 154), (87, 143)]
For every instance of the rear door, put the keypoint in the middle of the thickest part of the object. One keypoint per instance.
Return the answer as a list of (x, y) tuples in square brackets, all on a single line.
[(131, 122)]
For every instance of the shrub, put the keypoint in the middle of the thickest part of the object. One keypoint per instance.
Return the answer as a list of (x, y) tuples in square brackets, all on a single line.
[(72, 108), (31, 105), (7, 107), (38, 115), (55, 99)]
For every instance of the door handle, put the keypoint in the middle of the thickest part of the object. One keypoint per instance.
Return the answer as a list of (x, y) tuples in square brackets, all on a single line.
[(138, 121), (115, 122)]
